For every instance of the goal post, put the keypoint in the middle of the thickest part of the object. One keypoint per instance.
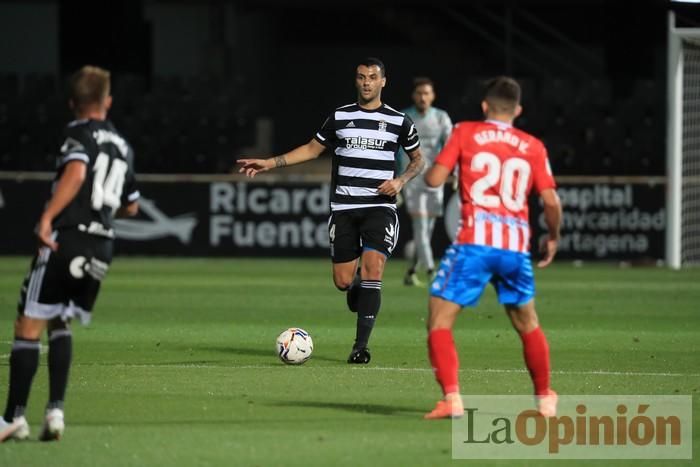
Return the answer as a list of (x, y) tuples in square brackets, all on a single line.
[(683, 146)]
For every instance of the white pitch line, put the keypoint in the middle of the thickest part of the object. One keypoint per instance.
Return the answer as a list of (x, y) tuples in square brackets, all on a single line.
[(555, 372), (376, 368)]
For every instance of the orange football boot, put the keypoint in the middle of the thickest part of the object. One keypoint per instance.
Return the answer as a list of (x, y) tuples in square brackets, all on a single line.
[(446, 409)]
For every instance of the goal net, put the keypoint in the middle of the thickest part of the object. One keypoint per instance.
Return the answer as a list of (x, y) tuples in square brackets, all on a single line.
[(683, 147)]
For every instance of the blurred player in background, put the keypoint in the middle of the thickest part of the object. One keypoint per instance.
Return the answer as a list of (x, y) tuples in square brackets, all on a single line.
[(423, 203), (365, 138), (94, 182), (499, 165)]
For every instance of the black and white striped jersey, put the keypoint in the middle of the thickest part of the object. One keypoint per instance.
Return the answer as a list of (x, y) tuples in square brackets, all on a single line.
[(109, 182), (365, 145)]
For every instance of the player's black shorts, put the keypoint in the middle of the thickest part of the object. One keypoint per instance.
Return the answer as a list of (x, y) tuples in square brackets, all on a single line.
[(65, 283), (354, 230)]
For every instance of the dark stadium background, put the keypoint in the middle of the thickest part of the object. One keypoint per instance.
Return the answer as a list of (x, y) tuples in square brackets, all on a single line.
[(593, 72), (197, 84)]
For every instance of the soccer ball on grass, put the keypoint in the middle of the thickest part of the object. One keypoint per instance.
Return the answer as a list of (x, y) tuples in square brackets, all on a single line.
[(294, 346)]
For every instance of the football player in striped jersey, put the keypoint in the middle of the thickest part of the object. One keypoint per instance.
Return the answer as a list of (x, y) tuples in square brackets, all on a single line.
[(364, 137), (95, 182)]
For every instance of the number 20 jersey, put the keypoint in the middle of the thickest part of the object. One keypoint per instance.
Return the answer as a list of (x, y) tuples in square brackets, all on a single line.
[(109, 180), (498, 167)]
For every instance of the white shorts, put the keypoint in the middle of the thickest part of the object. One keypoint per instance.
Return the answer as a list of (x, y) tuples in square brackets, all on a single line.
[(423, 200)]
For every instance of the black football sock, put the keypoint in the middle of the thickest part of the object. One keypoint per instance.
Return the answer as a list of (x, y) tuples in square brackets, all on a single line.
[(412, 270), (24, 361), (368, 303), (60, 354), (354, 292)]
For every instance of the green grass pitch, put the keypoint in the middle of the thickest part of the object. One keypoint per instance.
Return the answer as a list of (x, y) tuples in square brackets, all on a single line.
[(179, 369)]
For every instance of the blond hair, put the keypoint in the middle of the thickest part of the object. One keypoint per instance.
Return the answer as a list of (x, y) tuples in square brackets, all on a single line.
[(89, 86)]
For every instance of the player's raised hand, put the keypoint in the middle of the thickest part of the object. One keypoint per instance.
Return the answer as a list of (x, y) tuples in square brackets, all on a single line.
[(252, 167), (548, 248), (44, 232), (390, 187)]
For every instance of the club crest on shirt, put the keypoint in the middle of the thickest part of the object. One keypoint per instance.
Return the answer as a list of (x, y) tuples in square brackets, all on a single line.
[(72, 145), (382, 125)]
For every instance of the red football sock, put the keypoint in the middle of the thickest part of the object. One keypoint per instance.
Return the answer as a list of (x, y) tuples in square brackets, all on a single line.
[(536, 352), (443, 357)]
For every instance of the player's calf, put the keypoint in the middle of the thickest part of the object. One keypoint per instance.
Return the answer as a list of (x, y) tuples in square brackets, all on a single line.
[(59, 361), (536, 355), (535, 346), (353, 292), (368, 304), (369, 298), (444, 358), (523, 317), (346, 277), (24, 361)]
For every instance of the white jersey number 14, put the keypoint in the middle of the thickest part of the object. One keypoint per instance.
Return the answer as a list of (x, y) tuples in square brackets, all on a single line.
[(108, 182)]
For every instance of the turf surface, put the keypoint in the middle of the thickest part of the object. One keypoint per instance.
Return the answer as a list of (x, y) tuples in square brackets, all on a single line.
[(178, 367)]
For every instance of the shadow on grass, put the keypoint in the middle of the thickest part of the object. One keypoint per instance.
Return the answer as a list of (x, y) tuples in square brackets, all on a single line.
[(190, 422), (250, 352), (375, 409)]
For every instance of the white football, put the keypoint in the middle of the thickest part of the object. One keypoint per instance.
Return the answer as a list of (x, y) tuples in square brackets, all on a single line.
[(294, 346)]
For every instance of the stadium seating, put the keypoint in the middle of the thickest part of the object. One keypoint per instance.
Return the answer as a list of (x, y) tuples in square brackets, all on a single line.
[(199, 126)]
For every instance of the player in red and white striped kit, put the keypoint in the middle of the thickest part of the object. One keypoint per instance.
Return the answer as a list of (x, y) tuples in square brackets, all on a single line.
[(498, 167)]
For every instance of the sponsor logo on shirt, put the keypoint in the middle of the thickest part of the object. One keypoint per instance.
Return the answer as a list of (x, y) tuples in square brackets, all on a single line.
[(359, 142)]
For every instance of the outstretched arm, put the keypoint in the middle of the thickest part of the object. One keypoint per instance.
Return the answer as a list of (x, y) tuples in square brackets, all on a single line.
[(437, 175), (552, 217), (393, 187), (67, 187), (306, 152)]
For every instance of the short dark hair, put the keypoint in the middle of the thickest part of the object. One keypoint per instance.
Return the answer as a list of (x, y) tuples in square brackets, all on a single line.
[(502, 94), (374, 61), (88, 86), (422, 81)]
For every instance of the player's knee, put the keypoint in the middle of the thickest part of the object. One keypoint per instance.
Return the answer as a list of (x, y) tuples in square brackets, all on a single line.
[(372, 273), (438, 321), (531, 323), (439, 316), (26, 328), (433, 322), (525, 326), (524, 320), (373, 269), (342, 281)]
